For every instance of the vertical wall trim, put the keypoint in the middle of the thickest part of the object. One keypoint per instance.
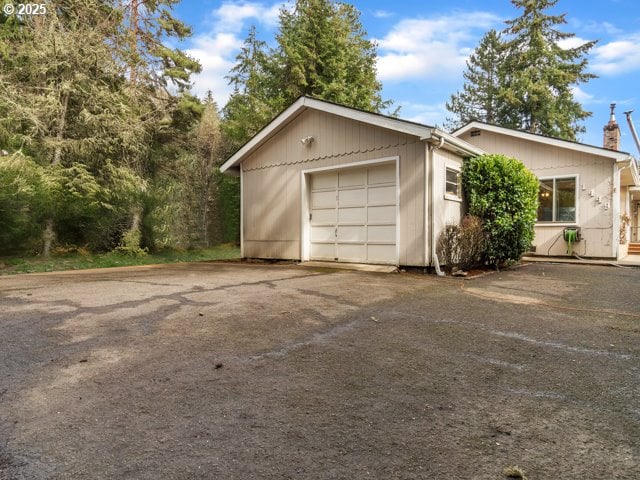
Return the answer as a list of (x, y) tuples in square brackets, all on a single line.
[(241, 212), (427, 217), (615, 200), (304, 218)]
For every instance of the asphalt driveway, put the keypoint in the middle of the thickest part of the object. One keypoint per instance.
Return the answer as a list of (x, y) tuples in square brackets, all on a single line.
[(240, 371)]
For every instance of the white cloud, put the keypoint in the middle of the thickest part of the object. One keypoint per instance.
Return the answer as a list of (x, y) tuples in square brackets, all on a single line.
[(382, 14), (215, 54), (597, 28), (435, 47), (217, 49), (617, 57), (581, 96), (231, 17), (571, 42), (432, 115)]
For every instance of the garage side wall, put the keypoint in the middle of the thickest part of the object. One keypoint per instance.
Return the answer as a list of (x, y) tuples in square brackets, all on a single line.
[(272, 187), (447, 209), (595, 192)]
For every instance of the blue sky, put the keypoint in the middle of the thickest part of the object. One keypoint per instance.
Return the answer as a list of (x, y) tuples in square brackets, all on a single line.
[(422, 47)]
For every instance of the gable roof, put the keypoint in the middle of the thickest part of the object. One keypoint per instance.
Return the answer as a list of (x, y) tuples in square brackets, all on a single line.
[(534, 137), (424, 132)]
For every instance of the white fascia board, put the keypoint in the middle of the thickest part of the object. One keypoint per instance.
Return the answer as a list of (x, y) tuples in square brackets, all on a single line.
[(264, 134), (373, 119), (462, 147), (305, 102), (557, 142)]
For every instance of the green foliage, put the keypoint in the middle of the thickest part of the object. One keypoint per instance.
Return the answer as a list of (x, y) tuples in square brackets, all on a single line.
[(22, 199), (131, 244), (70, 257), (322, 51), (504, 194), (83, 92), (479, 99), (525, 79)]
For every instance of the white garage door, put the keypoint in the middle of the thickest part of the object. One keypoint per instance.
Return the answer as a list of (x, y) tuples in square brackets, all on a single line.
[(353, 215)]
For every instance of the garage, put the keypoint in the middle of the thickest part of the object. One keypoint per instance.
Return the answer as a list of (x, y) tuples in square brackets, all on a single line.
[(353, 214), (332, 183)]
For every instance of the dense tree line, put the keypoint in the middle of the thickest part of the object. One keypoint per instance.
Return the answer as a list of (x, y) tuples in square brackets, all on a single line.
[(105, 146)]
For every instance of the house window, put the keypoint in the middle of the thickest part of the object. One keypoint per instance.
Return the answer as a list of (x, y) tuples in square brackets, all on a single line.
[(452, 183), (557, 198)]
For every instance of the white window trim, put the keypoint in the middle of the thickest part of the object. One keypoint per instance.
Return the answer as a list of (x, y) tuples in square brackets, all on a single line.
[(457, 169), (551, 223)]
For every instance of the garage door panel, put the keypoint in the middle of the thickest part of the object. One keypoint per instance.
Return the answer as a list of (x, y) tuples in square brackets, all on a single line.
[(323, 234), (352, 234), (383, 215), (382, 174), (352, 198), (323, 251), (381, 253), (381, 233), (352, 215), (381, 195), (324, 180), (352, 177), (324, 216), (351, 252), (323, 199)]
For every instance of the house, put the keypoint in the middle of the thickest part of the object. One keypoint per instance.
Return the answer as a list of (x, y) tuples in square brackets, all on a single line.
[(327, 182), (581, 186)]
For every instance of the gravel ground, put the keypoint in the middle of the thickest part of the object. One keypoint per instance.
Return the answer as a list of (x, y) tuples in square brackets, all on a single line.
[(240, 371)]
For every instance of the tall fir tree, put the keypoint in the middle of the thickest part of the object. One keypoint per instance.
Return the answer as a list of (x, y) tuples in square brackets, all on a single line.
[(322, 51), (478, 99), (531, 85), (251, 104), (540, 73)]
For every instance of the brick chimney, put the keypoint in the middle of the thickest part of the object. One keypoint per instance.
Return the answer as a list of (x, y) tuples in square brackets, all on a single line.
[(612, 132)]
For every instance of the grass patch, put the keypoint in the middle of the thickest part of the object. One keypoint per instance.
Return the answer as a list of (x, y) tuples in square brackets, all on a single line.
[(83, 259)]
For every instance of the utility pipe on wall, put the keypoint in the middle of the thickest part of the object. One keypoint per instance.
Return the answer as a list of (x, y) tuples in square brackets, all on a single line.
[(432, 199), (633, 129)]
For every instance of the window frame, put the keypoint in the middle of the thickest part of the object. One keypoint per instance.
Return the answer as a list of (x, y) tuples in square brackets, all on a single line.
[(555, 178), (458, 172)]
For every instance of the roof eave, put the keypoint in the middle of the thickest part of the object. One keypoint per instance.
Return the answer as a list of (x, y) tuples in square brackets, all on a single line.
[(302, 104), (590, 149)]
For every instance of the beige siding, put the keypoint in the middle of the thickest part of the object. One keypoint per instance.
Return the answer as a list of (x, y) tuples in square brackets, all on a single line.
[(445, 210), (595, 175), (272, 185)]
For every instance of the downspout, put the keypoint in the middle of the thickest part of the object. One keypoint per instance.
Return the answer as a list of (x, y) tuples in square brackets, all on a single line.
[(434, 255), (615, 206)]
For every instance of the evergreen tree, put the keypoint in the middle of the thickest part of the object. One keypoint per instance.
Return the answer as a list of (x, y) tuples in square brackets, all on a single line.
[(321, 51), (251, 105), (540, 74), (478, 99), (530, 85)]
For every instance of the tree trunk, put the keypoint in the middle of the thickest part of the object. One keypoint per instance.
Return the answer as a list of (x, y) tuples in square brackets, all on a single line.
[(62, 123), (48, 236)]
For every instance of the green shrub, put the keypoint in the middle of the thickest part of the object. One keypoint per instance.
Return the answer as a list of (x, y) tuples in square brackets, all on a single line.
[(504, 194)]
